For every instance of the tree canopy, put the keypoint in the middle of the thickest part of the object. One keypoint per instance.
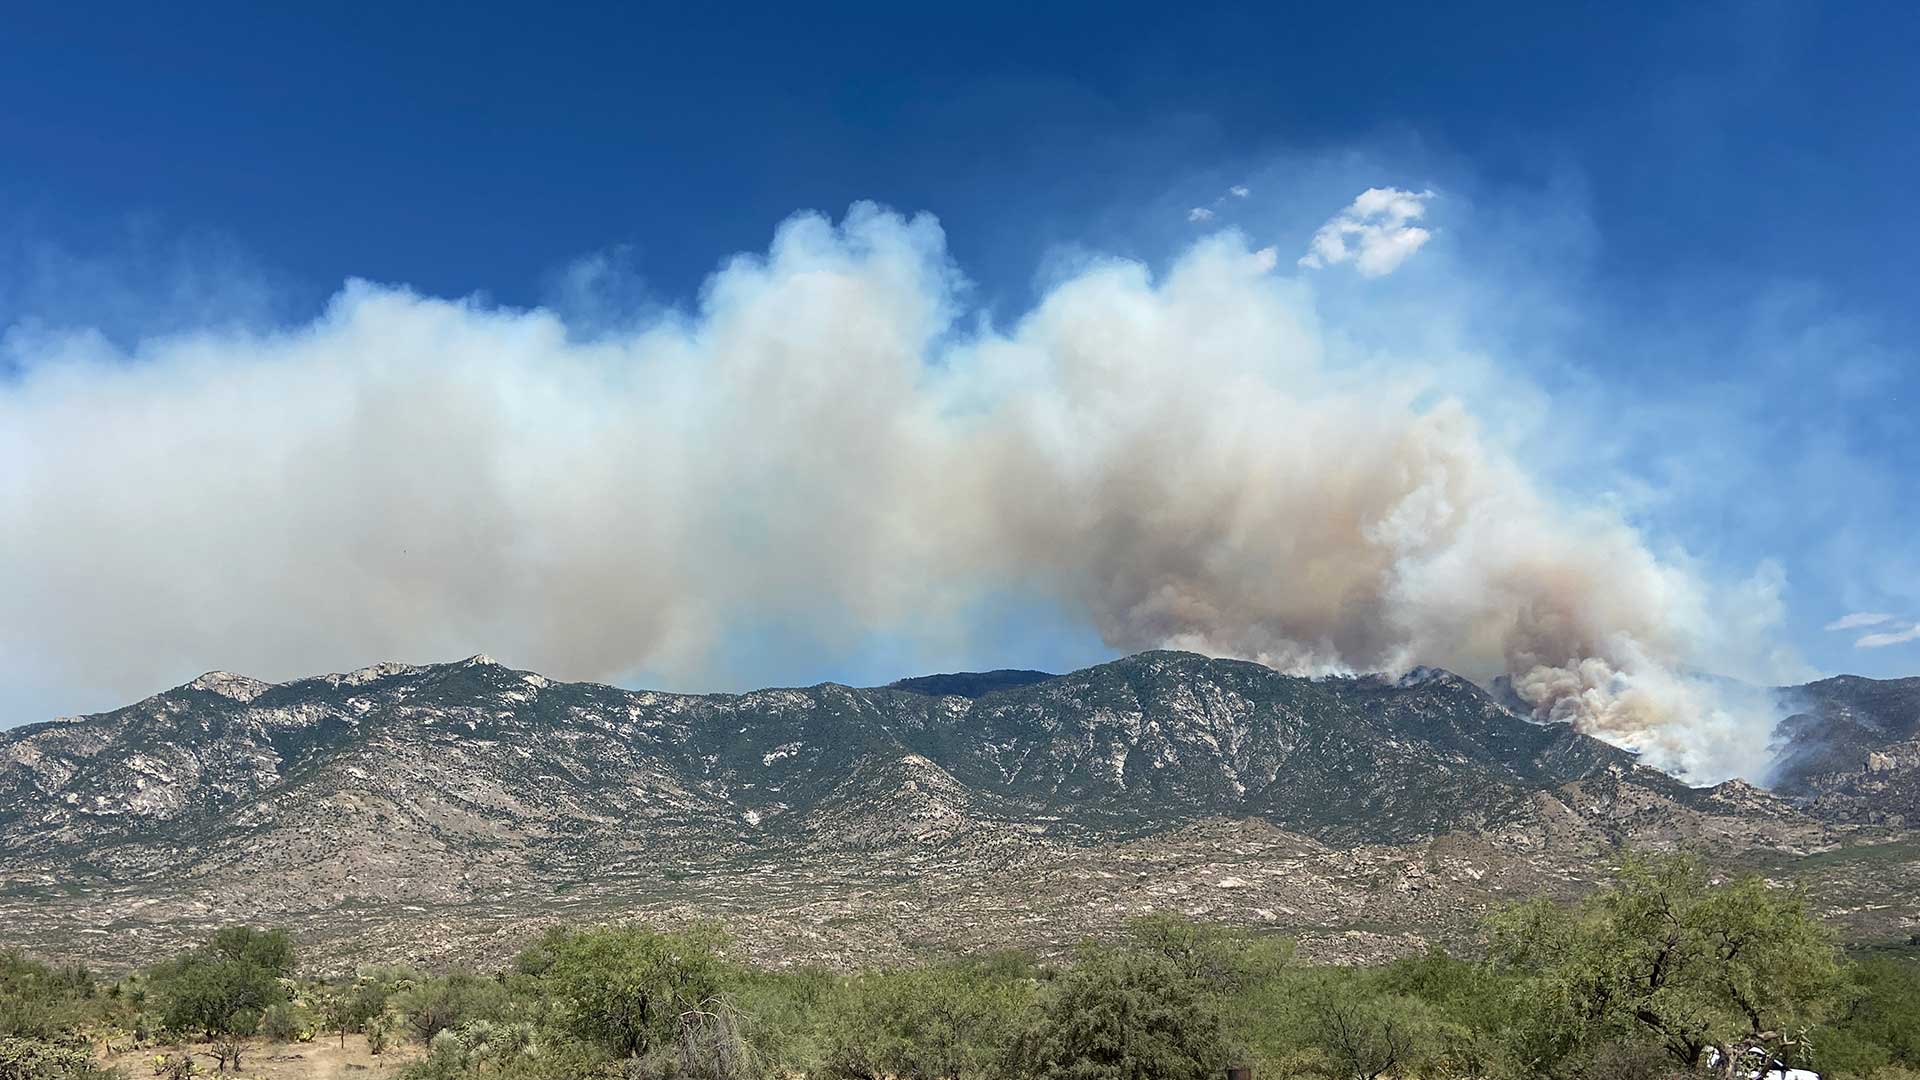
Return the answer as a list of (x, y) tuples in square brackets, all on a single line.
[(1730, 967), (226, 985)]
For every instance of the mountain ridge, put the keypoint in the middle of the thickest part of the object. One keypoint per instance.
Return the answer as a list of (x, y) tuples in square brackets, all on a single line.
[(379, 795)]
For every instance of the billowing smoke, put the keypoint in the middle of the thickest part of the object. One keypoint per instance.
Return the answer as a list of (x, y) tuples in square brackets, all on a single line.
[(831, 439)]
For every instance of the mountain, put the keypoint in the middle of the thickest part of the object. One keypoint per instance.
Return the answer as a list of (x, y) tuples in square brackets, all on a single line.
[(1851, 747), (827, 822)]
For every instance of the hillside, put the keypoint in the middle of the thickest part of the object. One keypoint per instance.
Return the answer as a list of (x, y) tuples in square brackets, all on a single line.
[(1851, 746), (830, 821)]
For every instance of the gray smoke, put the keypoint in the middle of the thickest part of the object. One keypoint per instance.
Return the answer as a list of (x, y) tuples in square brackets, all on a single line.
[(827, 439)]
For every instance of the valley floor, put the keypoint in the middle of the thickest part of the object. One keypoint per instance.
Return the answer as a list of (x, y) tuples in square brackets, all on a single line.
[(849, 910)]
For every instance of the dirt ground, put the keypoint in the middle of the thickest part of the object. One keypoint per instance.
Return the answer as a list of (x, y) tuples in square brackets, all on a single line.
[(322, 1059)]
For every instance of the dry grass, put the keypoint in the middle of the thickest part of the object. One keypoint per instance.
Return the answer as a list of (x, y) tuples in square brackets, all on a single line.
[(322, 1059)]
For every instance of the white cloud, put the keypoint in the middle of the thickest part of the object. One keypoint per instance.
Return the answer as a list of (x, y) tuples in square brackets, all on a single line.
[(1891, 637), (1375, 232), (1858, 620), (1238, 191), (1199, 213)]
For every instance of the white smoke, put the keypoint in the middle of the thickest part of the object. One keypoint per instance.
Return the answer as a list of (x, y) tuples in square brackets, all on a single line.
[(829, 438)]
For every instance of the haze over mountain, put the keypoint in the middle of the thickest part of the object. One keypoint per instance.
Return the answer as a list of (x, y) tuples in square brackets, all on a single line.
[(369, 800)]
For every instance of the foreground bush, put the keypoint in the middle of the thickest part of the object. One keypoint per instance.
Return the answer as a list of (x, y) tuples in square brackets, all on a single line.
[(946, 1020), (1123, 1014)]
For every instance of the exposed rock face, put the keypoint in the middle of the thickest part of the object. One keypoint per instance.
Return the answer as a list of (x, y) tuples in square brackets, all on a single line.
[(451, 809)]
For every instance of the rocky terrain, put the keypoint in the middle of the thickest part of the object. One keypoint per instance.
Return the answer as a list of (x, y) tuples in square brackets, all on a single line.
[(1852, 746), (446, 812)]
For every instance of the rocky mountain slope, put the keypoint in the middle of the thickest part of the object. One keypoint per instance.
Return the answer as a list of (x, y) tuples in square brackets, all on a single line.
[(828, 822), (1851, 746)]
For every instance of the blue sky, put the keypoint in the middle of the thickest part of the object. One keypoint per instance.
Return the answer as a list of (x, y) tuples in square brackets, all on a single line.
[(1693, 231)]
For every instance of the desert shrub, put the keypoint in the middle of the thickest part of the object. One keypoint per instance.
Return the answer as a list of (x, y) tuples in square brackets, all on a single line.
[(1122, 1014), (788, 1011), (631, 990), (174, 1066), (228, 1048), (475, 1047), (366, 999), (1628, 1059), (348, 1007), (285, 1022), (948, 1020), (1565, 993), (39, 1059), (42, 1002), (1366, 1035), (1470, 1028), (433, 1005)]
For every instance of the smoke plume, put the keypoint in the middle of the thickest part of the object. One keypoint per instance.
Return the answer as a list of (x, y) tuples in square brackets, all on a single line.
[(830, 437)]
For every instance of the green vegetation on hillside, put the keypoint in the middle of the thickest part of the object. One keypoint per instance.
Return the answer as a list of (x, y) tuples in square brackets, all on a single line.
[(1663, 973)]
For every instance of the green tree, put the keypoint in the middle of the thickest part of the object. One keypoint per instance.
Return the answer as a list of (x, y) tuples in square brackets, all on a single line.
[(1469, 1024), (1123, 1014), (210, 995), (1697, 966), (1879, 1026), (1242, 972), (335, 1006), (271, 950), (788, 1031), (632, 990), (366, 1000), (223, 987)]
